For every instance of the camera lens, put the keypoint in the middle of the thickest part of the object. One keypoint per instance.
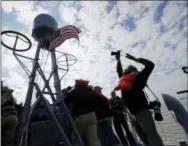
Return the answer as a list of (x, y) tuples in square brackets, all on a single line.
[(158, 115)]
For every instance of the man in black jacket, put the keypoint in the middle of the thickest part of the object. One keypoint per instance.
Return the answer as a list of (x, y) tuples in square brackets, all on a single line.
[(85, 102), (135, 98), (104, 118)]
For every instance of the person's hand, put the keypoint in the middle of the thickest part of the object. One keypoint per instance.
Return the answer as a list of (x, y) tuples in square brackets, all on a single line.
[(118, 55), (185, 69), (131, 57)]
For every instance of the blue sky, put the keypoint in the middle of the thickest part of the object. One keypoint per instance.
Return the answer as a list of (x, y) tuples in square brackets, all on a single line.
[(153, 30)]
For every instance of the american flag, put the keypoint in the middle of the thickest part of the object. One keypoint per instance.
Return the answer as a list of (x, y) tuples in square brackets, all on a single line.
[(64, 33)]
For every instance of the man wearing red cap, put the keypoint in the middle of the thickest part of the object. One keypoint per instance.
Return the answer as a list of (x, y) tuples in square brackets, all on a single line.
[(84, 103)]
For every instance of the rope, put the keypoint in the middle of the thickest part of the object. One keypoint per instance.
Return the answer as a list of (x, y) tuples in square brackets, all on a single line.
[(44, 67), (37, 78), (152, 92)]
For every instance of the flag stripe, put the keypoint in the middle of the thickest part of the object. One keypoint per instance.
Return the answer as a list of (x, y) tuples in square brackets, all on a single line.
[(71, 27), (61, 40), (64, 33), (67, 34), (64, 38), (62, 30)]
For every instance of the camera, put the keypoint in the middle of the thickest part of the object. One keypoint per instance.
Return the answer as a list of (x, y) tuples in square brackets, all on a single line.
[(115, 53), (185, 69), (156, 106)]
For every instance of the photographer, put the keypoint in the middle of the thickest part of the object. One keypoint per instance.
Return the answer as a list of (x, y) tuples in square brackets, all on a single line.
[(134, 97)]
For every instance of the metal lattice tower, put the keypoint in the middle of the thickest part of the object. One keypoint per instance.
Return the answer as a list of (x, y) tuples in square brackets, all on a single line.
[(44, 26)]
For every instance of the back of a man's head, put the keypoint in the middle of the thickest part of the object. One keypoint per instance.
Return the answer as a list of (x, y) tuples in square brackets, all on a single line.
[(80, 92), (113, 94), (91, 87), (98, 89), (130, 69)]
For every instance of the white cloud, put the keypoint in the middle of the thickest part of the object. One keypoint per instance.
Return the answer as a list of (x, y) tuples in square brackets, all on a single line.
[(91, 19), (25, 11), (101, 31), (135, 10), (49, 5), (68, 3), (169, 15), (68, 14)]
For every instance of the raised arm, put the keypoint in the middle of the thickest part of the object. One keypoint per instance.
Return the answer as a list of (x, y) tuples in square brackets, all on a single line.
[(143, 76), (119, 69)]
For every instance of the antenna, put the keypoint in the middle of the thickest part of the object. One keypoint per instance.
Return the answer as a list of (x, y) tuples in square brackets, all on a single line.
[(44, 27)]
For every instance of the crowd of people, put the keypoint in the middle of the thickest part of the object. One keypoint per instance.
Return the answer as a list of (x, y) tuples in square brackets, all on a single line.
[(90, 108), (95, 115)]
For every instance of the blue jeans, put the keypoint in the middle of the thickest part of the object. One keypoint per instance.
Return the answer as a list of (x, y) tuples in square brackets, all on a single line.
[(106, 133)]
